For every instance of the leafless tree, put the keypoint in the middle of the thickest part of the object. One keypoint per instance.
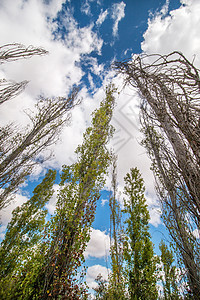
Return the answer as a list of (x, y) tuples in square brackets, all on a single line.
[(19, 152), (20, 148), (179, 215), (169, 87)]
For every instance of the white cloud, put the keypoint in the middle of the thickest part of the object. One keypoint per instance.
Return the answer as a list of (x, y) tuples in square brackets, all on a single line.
[(93, 272), (98, 245), (177, 31), (51, 205), (2, 231), (85, 8), (196, 233), (91, 82), (54, 7), (95, 67), (103, 202), (6, 213), (127, 137), (154, 209), (165, 8), (117, 14), (102, 17), (165, 33)]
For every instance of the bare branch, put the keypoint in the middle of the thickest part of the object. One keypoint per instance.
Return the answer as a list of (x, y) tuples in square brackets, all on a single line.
[(9, 89), (15, 51)]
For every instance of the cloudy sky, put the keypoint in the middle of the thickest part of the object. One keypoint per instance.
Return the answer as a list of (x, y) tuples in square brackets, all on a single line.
[(83, 38)]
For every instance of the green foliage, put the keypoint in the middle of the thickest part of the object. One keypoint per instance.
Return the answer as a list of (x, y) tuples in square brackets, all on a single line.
[(23, 237), (138, 252), (101, 291), (169, 279)]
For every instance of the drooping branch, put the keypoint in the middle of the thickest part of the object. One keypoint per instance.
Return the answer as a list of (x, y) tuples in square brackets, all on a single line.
[(10, 89), (171, 83), (15, 51)]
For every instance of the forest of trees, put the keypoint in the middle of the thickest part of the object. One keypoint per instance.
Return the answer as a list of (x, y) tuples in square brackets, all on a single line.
[(42, 257)]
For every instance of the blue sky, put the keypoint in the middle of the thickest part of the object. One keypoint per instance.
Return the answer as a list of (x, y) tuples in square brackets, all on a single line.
[(83, 39)]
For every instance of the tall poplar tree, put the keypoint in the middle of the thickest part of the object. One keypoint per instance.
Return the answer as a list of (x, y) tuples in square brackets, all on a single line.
[(116, 286), (138, 252), (80, 189), (23, 236)]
